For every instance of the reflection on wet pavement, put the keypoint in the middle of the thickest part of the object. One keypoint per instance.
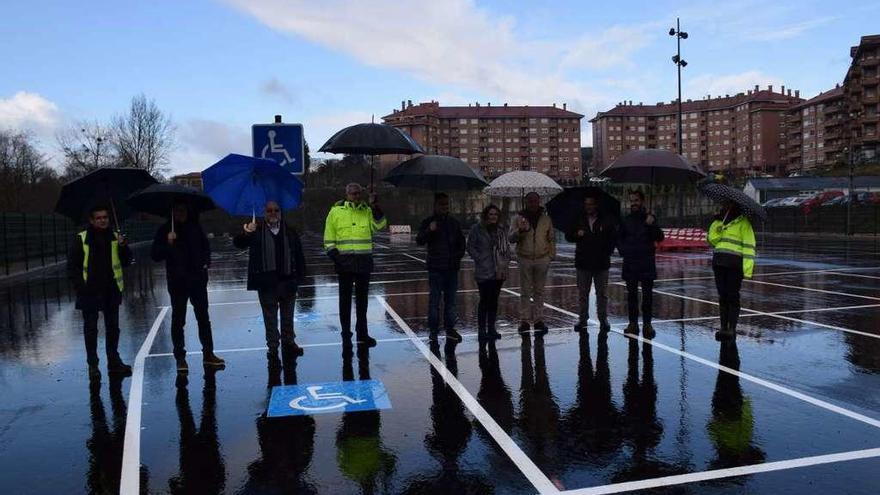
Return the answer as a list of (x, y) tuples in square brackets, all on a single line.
[(587, 409)]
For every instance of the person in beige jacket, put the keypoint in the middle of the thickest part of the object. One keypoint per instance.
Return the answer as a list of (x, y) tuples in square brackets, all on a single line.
[(532, 232)]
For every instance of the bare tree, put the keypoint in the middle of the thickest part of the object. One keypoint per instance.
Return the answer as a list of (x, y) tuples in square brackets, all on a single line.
[(144, 136), (25, 177), (86, 146)]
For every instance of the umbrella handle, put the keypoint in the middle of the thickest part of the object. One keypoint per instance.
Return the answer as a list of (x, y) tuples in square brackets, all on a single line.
[(115, 218)]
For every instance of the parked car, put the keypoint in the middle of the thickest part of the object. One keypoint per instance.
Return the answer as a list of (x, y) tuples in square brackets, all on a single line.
[(838, 201), (818, 199), (773, 202)]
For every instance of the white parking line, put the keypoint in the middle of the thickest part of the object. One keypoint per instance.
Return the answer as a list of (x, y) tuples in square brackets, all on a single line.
[(130, 480), (780, 316), (726, 473), (516, 455), (339, 343), (810, 289)]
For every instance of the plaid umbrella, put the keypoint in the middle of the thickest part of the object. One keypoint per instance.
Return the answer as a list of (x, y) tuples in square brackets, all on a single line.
[(718, 191)]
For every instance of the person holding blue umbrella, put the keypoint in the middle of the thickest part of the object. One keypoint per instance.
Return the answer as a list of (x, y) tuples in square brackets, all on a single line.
[(276, 269), (243, 185)]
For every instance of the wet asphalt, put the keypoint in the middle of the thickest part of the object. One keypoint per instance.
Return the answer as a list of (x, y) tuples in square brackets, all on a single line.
[(801, 383)]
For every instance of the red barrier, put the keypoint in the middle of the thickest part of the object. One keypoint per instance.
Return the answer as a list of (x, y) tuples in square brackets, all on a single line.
[(683, 239)]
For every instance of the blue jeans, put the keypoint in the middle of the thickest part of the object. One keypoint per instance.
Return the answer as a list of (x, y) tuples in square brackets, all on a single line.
[(443, 284)]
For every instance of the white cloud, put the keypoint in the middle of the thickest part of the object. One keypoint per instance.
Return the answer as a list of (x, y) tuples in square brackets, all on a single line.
[(457, 43), (720, 85), (788, 31), (28, 111), (203, 142)]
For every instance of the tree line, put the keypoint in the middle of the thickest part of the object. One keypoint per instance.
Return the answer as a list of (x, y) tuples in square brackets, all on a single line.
[(141, 137)]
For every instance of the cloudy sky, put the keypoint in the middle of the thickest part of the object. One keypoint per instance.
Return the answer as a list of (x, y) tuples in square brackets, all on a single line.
[(218, 66)]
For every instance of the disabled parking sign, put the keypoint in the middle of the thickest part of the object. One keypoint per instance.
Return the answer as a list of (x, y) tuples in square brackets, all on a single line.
[(282, 143), (329, 397)]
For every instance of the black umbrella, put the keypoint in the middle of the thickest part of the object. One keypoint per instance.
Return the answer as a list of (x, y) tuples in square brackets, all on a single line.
[(565, 208), (435, 173), (159, 199), (371, 139), (718, 191), (653, 167), (111, 186)]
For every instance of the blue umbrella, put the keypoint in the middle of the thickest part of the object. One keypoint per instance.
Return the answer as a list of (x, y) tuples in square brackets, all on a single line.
[(242, 185)]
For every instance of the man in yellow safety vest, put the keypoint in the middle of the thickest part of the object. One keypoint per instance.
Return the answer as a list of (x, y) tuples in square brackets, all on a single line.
[(733, 242), (348, 241), (94, 265)]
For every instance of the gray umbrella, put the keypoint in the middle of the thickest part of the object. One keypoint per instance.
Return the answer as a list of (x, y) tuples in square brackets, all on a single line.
[(436, 173), (720, 192), (652, 167)]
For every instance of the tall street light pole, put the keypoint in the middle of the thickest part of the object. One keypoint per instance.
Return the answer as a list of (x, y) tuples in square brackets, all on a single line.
[(679, 63)]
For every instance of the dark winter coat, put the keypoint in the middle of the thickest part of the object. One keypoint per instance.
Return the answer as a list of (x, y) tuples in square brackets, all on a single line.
[(100, 291), (593, 250), (260, 280), (636, 243), (445, 246), (188, 259)]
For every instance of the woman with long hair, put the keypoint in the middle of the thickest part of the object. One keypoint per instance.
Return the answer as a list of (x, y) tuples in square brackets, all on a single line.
[(489, 247)]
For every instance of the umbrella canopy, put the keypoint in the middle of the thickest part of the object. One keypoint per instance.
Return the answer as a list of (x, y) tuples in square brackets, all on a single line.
[(436, 173), (718, 191), (242, 185), (371, 139), (565, 208), (652, 167), (158, 199), (519, 183), (110, 186)]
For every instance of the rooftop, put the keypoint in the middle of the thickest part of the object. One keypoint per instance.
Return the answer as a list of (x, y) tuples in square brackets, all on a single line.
[(717, 103), (483, 111), (806, 183)]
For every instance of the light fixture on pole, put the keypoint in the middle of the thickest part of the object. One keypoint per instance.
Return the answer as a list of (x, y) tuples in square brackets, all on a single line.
[(679, 62)]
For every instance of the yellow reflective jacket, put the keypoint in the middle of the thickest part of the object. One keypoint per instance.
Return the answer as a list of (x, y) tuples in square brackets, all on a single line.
[(115, 262), (349, 228), (736, 238)]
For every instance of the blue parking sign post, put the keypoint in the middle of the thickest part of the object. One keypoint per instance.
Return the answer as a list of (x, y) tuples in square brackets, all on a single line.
[(329, 397), (282, 143)]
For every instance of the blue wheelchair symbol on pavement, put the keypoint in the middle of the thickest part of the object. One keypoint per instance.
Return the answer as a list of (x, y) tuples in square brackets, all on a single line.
[(330, 397), (280, 142)]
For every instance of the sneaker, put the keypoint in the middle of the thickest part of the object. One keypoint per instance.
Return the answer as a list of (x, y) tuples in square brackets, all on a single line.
[(541, 328), (453, 335), (213, 360), (364, 339), (648, 331), (292, 349), (523, 327), (182, 367), (632, 328)]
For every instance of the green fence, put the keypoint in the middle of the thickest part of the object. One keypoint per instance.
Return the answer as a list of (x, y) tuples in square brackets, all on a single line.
[(36, 240)]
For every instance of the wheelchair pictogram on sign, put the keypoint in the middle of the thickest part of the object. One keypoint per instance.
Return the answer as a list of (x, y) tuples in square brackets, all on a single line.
[(282, 143), (317, 398)]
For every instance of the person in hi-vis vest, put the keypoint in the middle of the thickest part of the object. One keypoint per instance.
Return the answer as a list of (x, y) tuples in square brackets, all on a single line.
[(94, 265)]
